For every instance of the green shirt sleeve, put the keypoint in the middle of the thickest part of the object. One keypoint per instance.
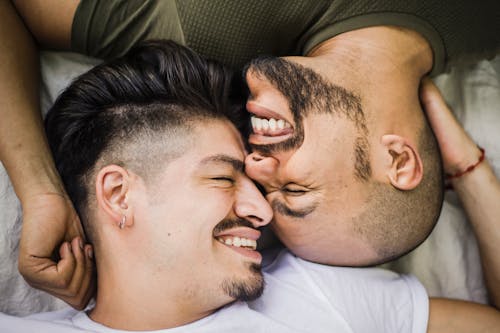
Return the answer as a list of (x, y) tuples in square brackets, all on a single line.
[(458, 31), (108, 29)]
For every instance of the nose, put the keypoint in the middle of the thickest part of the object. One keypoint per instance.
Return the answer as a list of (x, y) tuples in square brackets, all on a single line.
[(262, 169), (251, 205)]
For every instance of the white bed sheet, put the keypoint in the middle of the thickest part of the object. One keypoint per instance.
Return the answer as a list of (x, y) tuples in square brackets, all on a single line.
[(447, 263)]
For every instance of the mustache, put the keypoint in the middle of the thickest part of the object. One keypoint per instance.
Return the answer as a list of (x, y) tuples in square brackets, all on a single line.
[(285, 146), (232, 223)]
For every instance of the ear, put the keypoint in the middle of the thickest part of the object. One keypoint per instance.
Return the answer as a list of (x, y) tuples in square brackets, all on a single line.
[(405, 171), (112, 185)]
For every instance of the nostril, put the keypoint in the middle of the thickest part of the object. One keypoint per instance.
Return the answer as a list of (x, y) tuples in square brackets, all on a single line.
[(257, 158), (255, 220)]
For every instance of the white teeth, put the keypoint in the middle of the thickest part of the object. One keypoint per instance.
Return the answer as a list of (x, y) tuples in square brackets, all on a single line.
[(265, 124), (280, 124), (258, 124), (239, 242), (271, 124)]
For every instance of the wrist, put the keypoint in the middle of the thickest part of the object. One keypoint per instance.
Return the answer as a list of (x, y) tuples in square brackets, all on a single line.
[(469, 159), (468, 165), (34, 176)]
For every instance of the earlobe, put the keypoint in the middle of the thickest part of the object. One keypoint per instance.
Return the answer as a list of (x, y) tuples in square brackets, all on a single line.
[(405, 171), (112, 185)]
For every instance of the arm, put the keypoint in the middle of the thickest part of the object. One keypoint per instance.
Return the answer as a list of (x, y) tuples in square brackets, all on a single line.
[(49, 21), (479, 190), (48, 215), (458, 316)]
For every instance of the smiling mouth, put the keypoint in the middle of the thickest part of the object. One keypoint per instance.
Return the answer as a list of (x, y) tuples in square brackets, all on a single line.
[(270, 126), (242, 240), (269, 130), (238, 242)]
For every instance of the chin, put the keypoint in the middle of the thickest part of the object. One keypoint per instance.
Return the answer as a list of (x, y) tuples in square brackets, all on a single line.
[(247, 289)]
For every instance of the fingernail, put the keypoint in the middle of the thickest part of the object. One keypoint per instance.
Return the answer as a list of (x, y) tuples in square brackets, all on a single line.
[(90, 253), (80, 243)]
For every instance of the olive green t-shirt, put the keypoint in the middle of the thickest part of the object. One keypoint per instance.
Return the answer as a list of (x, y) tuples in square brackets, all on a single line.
[(235, 31)]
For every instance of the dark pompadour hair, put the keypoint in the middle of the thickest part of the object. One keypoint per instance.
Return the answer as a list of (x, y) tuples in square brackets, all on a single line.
[(158, 86)]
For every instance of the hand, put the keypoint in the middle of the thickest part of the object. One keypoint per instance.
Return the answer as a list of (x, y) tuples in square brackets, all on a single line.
[(458, 150), (48, 221)]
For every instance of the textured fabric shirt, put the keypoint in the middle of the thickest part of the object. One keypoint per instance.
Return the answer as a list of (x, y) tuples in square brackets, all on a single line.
[(299, 297), (235, 31)]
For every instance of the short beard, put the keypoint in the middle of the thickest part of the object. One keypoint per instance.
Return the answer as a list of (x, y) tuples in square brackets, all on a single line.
[(248, 290)]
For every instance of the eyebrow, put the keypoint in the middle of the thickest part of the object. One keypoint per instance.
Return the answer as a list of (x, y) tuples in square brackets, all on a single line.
[(280, 207), (235, 163)]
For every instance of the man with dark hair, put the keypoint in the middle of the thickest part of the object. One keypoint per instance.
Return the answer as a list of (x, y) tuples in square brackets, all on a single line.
[(149, 152), (154, 165), (377, 52)]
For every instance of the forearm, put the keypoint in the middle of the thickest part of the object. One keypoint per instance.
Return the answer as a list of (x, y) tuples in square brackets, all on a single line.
[(454, 316), (479, 192), (23, 148)]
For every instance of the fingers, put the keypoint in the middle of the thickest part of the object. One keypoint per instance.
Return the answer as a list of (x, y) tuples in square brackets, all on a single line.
[(89, 283), (72, 279), (48, 220), (78, 272), (76, 292)]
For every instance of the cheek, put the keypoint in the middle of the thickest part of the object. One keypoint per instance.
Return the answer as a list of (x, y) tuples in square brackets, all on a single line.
[(289, 232), (299, 240)]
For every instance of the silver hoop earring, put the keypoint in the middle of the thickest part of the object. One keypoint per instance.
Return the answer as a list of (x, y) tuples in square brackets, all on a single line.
[(122, 222)]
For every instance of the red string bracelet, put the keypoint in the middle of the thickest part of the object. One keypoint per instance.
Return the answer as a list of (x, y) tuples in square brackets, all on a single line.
[(470, 168)]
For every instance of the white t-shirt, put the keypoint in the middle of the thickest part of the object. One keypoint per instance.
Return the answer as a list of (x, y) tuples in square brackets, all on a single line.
[(299, 297)]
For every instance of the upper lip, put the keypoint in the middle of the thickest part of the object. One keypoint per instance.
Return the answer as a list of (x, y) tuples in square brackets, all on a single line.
[(242, 232)]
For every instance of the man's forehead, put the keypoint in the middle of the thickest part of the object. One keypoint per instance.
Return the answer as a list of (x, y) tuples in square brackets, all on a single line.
[(218, 136), (235, 162)]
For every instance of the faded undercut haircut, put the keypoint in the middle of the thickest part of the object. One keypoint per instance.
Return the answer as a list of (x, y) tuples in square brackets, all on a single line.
[(136, 111)]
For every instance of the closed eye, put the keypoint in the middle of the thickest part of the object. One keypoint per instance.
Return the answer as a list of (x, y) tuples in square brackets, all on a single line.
[(293, 190), (227, 179), (282, 208)]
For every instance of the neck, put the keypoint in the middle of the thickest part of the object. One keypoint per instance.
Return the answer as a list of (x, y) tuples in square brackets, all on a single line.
[(379, 51), (384, 66), (133, 299)]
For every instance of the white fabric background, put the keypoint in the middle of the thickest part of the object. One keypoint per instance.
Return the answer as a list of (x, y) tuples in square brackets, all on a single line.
[(447, 263)]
